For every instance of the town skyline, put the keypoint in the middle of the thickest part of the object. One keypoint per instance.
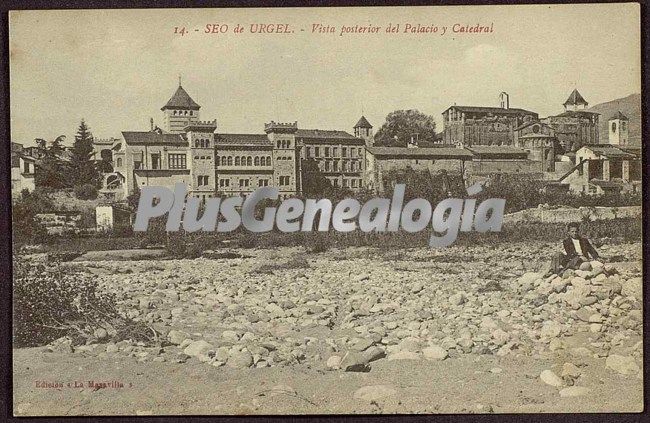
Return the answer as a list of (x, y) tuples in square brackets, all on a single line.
[(116, 69)]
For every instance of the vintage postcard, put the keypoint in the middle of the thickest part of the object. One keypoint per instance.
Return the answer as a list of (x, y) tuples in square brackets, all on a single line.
[(360, 210)]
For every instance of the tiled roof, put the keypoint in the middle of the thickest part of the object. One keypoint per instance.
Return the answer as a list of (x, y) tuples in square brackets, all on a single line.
[(575, 98), (363, 123), (485, 151), (435, 152), (619, 115), (608, 150), (494, 110), (322, 133), (181, 100), (632, 150), (149, 137), (576, 113), (243, 139)]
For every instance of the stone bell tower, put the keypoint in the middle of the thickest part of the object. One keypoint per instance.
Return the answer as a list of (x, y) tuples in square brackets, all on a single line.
[(363, 130), (618, 129)]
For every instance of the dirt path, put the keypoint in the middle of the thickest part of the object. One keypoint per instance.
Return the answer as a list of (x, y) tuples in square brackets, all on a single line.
[(467, 384)]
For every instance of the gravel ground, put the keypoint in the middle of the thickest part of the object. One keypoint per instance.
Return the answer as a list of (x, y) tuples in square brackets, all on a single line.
[(359, 330)]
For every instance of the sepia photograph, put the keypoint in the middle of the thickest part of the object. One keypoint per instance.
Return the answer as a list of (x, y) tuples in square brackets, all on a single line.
[(336, 210)]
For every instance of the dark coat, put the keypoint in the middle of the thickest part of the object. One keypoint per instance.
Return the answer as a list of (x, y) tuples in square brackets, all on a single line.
[(587, 249)]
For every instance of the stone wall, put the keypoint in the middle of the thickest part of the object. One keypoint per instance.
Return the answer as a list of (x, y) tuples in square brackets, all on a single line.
[(568, 214)]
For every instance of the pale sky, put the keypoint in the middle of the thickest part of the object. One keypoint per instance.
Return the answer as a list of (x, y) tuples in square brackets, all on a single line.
[(117, 68)]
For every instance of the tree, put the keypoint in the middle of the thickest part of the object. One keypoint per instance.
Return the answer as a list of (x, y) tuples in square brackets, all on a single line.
[(84, 170), (418, 184), (25, 226), (52, 171), (402, 125), (314, 183)]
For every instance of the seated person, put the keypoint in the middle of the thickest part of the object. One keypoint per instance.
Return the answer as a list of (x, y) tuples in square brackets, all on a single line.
[(577, 250)]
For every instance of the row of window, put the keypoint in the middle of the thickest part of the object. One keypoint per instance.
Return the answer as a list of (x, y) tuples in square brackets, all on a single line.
[(203, 143), (348, 183), (179, 161), (346, 166), (284, 144), (243, 183), (183, 113), (334, 151), (203, 180), (174, 161), (244, 161)]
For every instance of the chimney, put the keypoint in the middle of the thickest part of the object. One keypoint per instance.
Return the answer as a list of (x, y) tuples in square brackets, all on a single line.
[(151, 124), (505, 100)]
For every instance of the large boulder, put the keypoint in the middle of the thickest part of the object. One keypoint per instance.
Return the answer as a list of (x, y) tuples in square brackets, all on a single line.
[(197, 348), (622, 364)]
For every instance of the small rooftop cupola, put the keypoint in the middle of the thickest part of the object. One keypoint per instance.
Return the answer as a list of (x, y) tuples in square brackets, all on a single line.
[(180, 111), (618, 129), (363, 130), (575, 102)]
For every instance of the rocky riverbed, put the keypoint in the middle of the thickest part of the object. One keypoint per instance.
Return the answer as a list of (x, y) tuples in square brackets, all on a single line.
[(359, 310)]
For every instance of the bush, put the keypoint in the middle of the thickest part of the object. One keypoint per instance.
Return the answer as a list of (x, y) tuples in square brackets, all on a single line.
[(525, 191), (317, 243), (86, 192), (26, 229), (51, 300), (246, 239)]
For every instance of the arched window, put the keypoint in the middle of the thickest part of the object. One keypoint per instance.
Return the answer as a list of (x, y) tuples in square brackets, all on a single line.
[(249, 161), (257, 161), (279, 144), (119, 162), (230, 161), (268, 160), (216, 160), (613, 126), (237, 161)]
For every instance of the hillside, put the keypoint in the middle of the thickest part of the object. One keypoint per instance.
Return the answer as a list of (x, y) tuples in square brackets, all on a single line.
[(630, 106)]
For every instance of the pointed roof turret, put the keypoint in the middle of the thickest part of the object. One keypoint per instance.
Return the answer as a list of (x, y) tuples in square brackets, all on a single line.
[(181, 100), (619, 116), (575, 99), (363, 123)]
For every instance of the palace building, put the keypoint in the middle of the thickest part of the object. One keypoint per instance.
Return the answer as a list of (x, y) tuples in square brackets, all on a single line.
[(210, 163)]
